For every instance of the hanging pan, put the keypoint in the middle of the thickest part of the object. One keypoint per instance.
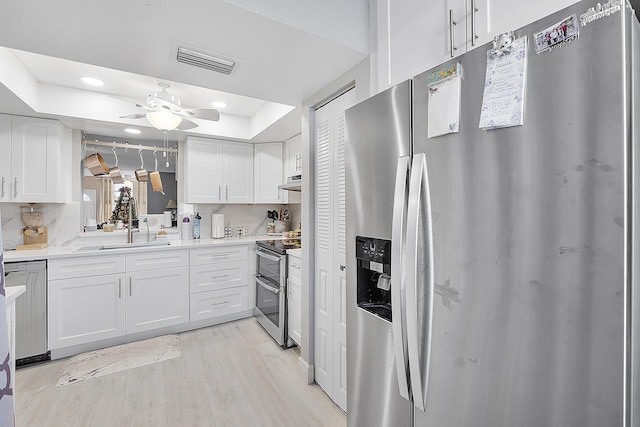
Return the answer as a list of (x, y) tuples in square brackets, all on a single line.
[(156, 182), (141, 174), (114, 172), (96, 164)]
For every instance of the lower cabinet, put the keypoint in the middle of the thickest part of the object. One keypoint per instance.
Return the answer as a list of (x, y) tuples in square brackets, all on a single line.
[(85, 307), (218, 281), (294, 298), (157, 298)]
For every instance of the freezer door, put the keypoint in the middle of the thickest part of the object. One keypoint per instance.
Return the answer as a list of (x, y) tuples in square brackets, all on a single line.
[(529, 238), (378, 133)]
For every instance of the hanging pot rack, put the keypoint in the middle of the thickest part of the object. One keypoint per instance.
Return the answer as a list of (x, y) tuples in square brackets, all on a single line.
[(126, 146)]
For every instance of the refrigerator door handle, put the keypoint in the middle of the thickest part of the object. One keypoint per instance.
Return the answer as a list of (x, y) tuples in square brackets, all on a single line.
[(419, 286), (397, 275)]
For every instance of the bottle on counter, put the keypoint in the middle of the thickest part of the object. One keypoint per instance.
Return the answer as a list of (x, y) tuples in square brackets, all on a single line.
[(185, 231), (196, 226)]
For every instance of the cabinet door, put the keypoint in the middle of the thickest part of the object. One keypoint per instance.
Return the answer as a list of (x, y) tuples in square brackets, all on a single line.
[(294, 309), (238, 172), (269, 172), (207, 305), (5, 158), (218, 276), (293, 156), (34, 159), (203, 171), (87, 309), (157, 298)]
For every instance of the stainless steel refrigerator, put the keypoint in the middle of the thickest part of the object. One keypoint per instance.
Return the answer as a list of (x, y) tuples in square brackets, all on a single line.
[(492, 274)]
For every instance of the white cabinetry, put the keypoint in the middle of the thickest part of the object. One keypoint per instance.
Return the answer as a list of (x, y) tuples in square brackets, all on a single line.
[(507, 15), (294, 298), (293, 156), (99, 297), (218, 282), (218, 171), (269, 172), (467, 25), (158, 290), (85, 305), (34, 166)]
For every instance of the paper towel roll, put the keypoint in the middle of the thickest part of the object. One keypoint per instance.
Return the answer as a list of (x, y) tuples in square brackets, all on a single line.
[(217, 226), (167, 219)]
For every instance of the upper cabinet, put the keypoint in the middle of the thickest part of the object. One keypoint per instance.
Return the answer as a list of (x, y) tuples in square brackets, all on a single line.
[(467, 25), (415, 35), (218, 171), (35, 165), (293, 156), (269, 172)]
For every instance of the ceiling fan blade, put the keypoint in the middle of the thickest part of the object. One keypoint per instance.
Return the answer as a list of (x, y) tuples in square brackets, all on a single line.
[(134, 116), (202, 113), (186, 124), (129, 101)]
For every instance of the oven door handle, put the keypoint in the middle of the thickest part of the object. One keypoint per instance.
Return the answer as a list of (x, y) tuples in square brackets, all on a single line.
[(266, 286), (267, 256)]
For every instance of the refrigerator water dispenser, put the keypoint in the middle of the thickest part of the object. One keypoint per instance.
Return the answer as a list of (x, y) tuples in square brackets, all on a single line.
[(374, 276)]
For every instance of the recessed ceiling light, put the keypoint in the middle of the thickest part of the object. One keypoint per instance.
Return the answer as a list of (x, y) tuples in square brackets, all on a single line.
[(92, 81), (130, 130), (219, 104)]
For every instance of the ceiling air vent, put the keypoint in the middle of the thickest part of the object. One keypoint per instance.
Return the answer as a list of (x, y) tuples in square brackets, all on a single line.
[(202, 60)]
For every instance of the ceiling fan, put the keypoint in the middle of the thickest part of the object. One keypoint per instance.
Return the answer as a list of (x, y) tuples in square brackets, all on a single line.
[(166, 113)]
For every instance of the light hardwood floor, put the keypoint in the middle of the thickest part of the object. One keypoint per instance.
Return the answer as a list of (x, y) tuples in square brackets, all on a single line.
[(228, 375)]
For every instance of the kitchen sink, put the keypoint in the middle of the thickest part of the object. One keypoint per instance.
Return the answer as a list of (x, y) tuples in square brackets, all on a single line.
[(93, 248)]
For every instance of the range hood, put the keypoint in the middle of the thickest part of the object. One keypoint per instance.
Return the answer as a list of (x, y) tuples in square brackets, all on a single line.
[(294, 183)]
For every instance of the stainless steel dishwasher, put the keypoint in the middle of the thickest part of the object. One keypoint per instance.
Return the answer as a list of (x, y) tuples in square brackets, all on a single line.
[(31, 310)]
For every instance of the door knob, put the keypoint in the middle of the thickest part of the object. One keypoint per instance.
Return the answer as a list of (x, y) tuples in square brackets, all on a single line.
[(342, 267)]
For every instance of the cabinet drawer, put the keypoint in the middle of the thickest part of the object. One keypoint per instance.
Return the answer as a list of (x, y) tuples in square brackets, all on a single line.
[(205, 305), (295, 266), (222, 254), (157, 259), (218, 276), (80, 266)]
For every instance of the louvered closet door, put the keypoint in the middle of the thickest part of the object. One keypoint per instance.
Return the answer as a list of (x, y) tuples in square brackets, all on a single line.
[(331, 330)]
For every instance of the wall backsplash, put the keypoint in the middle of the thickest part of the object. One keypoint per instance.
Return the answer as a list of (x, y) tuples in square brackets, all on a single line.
[(63, 220)]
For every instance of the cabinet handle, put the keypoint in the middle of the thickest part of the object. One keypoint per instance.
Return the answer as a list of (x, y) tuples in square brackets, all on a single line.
[(220, 277), (130, 287), (3, 180), (15, 187), (220, 303), (474, 34), (119, 288), (226, 196), (220, 192), (452, 23), (342, 267), (296, 266)]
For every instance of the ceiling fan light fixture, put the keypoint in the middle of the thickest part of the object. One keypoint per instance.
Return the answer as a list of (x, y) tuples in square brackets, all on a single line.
[(164, 120), (219, 104)]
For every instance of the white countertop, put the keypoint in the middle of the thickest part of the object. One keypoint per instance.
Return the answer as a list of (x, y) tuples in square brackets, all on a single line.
[(67, 251)]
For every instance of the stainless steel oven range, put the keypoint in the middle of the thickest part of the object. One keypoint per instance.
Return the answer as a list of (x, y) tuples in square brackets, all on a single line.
[(271, 289)]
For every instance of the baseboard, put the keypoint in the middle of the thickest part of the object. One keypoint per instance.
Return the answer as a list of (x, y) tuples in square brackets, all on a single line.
[(306, 370)]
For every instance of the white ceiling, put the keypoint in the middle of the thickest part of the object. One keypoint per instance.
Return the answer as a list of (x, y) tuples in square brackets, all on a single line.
[(129, 45)]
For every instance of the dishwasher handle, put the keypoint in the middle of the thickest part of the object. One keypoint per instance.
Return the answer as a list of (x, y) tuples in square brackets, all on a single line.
[(26, 266)]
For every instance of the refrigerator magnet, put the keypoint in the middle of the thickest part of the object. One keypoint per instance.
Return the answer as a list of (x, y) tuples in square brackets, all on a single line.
[(443, 101), (557, 35)]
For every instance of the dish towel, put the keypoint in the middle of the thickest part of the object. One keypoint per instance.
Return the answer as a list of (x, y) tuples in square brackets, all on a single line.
[(6, 382)]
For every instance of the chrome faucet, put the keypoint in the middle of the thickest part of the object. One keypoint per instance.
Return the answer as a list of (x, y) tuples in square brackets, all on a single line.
[(132, 202)]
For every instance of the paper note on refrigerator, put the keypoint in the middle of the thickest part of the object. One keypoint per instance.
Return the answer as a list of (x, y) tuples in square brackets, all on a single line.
[(444, 106), (504, 88)]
